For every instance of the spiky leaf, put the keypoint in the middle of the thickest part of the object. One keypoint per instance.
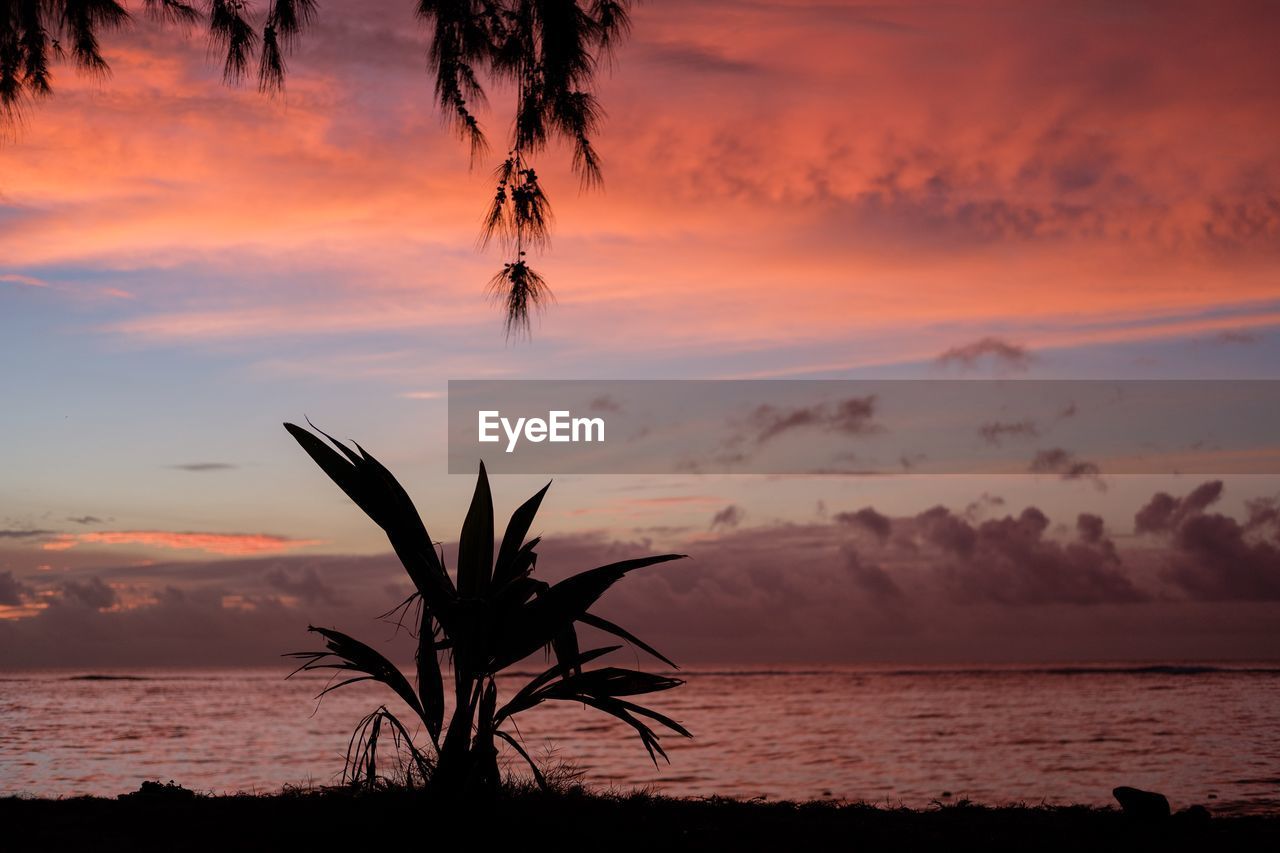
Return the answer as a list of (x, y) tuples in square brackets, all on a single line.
[(507, 567), (475, 545), (544, 618), (372, 487)]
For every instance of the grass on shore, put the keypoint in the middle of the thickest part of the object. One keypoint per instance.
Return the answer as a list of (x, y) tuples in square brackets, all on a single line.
[(575, 819)]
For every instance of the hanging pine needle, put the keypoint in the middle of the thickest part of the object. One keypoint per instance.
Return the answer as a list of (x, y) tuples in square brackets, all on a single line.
[(547, 50)]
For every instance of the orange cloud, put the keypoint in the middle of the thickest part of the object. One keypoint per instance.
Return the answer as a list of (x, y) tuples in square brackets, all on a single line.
[(22, 611), (225, 544), (29, 281), (777, 173)]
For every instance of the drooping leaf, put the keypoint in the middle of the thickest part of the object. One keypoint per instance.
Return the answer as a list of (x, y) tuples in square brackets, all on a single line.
[(618, 631), (537, 774), (527, 696), (617, 708), (654, 715), (349, 654), (361, 764)]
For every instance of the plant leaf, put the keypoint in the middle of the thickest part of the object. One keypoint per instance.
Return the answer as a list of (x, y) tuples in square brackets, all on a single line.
[(527, 696), (654, 715), (615, 708), (609, 681), (430, 682), (339, 470), (537, 774), (540, 621), (372, 487), (507, 567), (519, 588), (475, 545), (618, 631), (565, 645), (348, 653)]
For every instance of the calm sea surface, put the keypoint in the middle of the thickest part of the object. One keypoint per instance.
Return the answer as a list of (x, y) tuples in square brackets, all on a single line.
[(889, 735)]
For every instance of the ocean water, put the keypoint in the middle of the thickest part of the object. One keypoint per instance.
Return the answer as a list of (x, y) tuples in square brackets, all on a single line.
[(889, 735)]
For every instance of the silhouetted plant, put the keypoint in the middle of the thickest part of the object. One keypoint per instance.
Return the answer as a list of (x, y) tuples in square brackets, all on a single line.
[(548, 50), (494, 615)]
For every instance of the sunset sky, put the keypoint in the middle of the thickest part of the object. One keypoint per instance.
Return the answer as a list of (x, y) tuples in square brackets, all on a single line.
[(792, 190)]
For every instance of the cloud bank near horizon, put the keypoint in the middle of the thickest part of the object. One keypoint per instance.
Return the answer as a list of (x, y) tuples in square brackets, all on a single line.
[(940, 585)]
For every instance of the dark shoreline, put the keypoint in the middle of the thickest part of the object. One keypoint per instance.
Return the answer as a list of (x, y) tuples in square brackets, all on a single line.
[(577, 820)]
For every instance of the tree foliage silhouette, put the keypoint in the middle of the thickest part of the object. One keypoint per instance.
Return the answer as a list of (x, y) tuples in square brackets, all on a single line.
[(548, 50), (493, 615)]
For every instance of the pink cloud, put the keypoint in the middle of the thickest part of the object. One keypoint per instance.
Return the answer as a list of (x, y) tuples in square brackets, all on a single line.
[(225, 544), (29, 281), (771, 168)]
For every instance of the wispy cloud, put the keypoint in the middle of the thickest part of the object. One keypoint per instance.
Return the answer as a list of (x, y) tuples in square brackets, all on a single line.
[(727, 518), (1066, 465), (204, 467), (853, 416), (227, 544), (997, 351), (995, 432), (29, 281)]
